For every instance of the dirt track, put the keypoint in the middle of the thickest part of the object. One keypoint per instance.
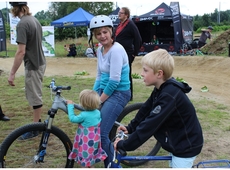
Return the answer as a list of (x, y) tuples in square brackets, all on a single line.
[(198, 71)]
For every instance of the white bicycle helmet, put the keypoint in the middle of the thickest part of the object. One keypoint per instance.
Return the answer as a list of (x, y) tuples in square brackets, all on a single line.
[(100, 21)]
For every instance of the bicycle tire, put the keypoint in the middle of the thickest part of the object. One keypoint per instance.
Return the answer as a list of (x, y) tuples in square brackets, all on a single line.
[(16, 153), (128, 113)]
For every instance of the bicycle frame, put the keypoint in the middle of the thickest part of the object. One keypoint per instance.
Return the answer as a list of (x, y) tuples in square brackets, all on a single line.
[(204, 164), (116, 163), (58, 103), (120, 155)]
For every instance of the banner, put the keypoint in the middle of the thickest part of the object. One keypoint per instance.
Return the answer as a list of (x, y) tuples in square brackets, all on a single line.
[(2, 33), (48, 40), (48, 36), (114, 17), (176, 17), (187, 28), (13, 24)]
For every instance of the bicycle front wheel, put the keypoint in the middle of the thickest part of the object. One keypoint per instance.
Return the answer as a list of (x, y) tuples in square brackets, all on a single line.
[(149, 148), (16, 153)]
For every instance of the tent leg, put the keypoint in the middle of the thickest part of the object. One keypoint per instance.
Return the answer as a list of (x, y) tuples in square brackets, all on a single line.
[(76, 33)]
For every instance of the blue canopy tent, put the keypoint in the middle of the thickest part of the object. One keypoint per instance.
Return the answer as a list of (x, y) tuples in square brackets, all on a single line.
[(79, 17)]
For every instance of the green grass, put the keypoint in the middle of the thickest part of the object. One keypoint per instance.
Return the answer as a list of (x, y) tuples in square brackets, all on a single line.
[(59, 47), (214, 117)]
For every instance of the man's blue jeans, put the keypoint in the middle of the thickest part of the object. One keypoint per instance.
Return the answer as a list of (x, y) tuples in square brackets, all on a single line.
[(110, 110)]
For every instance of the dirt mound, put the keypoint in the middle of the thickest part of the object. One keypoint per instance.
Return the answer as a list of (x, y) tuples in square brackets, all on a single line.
[(219, 45)]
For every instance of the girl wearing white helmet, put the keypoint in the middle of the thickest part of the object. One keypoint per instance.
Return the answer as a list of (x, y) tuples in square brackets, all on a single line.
[(112, 80)]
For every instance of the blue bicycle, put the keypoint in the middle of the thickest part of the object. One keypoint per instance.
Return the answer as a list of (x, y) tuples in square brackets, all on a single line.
[(121, 156)]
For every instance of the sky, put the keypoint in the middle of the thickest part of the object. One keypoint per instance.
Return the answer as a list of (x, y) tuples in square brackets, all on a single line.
[(188, 7)]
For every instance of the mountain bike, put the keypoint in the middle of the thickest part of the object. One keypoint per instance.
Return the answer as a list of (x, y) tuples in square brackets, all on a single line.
[(51, 148), (121, 155)]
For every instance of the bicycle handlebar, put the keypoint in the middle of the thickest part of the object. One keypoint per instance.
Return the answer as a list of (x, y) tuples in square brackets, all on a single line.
[(76, 106), (122, 136), (56, 88), (60, 103)]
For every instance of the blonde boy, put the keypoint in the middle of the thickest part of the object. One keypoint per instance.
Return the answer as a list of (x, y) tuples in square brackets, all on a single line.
[(168, 114)]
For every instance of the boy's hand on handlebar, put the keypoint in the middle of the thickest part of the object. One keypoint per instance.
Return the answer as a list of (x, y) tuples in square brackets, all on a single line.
[(122, 128), (115, 143), (69, 102)]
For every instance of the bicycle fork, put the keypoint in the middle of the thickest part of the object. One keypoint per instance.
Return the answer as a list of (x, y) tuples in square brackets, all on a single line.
[(39, 158)]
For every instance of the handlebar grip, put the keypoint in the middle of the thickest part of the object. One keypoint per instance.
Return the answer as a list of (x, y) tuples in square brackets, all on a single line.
[(122, 152), (65, 87), (56, 88)]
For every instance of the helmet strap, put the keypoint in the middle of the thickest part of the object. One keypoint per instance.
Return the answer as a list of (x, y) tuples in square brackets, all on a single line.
[(113, 35), (91, 40)]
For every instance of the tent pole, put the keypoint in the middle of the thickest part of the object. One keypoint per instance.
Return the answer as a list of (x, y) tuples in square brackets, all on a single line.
[(76, 33)]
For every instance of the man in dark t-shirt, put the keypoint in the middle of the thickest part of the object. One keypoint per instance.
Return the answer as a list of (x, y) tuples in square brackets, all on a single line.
[(204, 36)]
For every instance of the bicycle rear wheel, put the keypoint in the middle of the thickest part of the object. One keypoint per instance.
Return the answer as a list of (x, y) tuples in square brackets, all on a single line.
[(16, 153), (150, 147)]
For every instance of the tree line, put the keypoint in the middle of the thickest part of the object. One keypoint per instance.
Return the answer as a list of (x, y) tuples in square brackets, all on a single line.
[(219, 20)]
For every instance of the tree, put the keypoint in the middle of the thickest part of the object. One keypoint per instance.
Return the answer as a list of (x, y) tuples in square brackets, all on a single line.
[(225, 16), (215, 16), (206, 20), (43, 17), (5, 13), (61, 9)]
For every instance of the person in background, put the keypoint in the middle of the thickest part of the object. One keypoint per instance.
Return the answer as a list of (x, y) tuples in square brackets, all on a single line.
[(3, 117), (89, 52), (155, 40), (29, 50), (88, 33), (87, 142), (72, 51), (66, 47), (168, 114), (204, 36), (128, 35), (112, 79)]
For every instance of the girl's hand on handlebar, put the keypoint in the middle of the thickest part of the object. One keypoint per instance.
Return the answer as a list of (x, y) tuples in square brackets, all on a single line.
[(69, 102), (122, 128)]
